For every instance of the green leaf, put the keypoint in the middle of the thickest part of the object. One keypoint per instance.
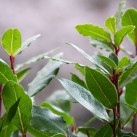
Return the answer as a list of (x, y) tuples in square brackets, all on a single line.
[(87, 130), (131, 92), (121, 133), (13, 92), (129, 19), (93, 32), (108, 61), (44, 76), (132, 107), (102, 44), (101, 88), (27, 43), (6, 73), (119, 12), (80, 68), (128, 75), (111, 24), (90, 58), (7, 117), (120, 34), (46, 121), (11, 41), (124, 61), (6, 132), (114, 57), (85, 98), (105, 131), (56, 110), (22, 74), (77, 80), (33, 60), (61, 99)]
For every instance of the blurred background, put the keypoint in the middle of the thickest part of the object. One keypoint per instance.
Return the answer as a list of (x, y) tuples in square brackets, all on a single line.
[(55, 21)]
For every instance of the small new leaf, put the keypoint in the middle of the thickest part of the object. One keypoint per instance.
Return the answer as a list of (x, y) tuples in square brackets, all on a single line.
[(120, 34), (11, 41), (111, 24)]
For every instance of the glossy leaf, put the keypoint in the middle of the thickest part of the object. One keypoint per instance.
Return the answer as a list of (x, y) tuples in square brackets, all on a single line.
[(27, 43), (102, 44), (132, 107), (22, 74), (121, 133), (131, 92), (44, 77), (101, 88), (105, 131), (129, 19), (46, 121), (124, 61), (77, 80), (120, 34), (13, 92), (11, 41), (128, 75), (80, 68), (85, 98), (67, 118), (7, 117), (119, 12), (108, 61), (6, 73), (33, 60), (87, 130), (114, 57), (111, 24), (93, 32)]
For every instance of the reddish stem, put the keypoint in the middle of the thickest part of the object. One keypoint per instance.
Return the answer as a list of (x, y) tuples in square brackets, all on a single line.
[(23, 134), (12, 63)]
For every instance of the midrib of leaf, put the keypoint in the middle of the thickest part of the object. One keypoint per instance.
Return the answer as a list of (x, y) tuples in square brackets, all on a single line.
[(100, 89), (3, 76), (106, 131), (52, 123), (11, 42), (19, 111), (130, 73), (98, 34)]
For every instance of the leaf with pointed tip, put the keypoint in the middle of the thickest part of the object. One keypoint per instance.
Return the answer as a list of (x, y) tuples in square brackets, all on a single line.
[(93, 32), (120, 34), (129, 19), (33, 60), (7, 117), (124, 61), (22, 74), (11, 41), (105, 131), (131, 92), (119, 12), (114, 57), (101, 88), (46, 121), (67, 118), (44, 76), (128, 75), (13, 92), (111, 24), (80, 68), (27, 43), (6, 73), (85, 98), (132, 107), (77, 80), (121, 133), (102, 44)]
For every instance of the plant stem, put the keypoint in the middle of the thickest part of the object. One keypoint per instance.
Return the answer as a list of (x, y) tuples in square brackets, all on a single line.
[(12, 63), (114, 123), (134, 123), (23, 134), (0, 100)]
